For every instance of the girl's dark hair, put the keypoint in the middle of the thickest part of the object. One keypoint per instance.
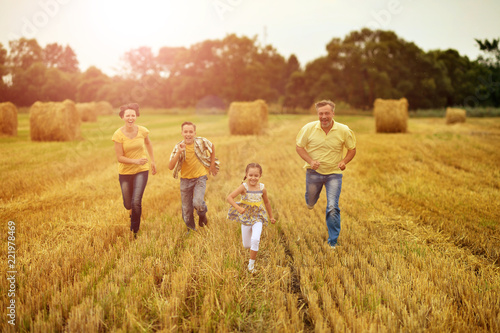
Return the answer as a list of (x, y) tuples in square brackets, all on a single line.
[(252, 165), (129, 106)]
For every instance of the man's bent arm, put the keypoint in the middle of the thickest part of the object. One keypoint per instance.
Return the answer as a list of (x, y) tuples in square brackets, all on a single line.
[(350, 155), (303, 154)]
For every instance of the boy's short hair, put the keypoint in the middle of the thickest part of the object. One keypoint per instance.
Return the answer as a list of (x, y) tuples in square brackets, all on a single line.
[(188, 123)]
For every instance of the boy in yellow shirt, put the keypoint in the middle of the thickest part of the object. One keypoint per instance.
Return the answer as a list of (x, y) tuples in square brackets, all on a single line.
[(194, 157)]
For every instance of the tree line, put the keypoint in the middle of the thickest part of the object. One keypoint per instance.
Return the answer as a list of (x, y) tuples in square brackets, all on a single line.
[(365, 65)]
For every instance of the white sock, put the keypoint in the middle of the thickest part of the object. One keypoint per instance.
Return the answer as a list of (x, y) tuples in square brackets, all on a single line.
[(250, 264)]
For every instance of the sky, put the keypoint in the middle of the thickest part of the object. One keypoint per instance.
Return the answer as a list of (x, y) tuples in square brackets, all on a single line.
[(102, 31)]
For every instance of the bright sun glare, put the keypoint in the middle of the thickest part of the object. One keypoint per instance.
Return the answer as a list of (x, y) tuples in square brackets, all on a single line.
[(130, 20)]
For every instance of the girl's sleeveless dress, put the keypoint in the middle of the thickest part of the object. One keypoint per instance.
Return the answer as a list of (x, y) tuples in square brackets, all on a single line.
[(254, 208)]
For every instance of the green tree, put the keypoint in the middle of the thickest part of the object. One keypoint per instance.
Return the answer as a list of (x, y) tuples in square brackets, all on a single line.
[(489, 85), (292, 65), (90, 82), (58, 85), (234, 69), (24, 53), (3, 61), (69, 61), (167, 59), (52, 54), (491, 58), (297, 91), (368, 64), (26, 85), (139, 62), (63, 58), (4, 93), (460, 72)]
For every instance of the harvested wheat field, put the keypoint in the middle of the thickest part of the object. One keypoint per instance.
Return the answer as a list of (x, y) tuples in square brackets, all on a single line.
[(419, 247)]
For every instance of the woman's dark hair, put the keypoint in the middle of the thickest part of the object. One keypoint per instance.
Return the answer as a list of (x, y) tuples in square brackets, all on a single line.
[(252, 165), (129, 106)]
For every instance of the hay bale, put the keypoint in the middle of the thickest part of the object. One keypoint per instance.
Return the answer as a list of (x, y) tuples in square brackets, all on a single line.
[(454, 115), (248, 117), (54, 121), (8, 119), (391, 116), (104, 108), (87, 112)]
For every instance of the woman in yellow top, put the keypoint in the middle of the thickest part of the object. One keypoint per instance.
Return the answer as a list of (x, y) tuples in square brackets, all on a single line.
[(131, 143)]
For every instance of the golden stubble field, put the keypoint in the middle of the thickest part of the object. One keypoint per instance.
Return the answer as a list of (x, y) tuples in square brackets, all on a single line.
[(419, 247)]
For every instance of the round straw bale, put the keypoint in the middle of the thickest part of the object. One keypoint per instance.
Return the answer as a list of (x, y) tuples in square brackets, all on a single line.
[(248, 117), (8, 119), (454, 115), (87, 111), (54, 121), (391, 116), (104, 108)]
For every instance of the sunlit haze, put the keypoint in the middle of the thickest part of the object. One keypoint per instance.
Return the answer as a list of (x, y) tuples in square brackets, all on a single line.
[(100, 32)]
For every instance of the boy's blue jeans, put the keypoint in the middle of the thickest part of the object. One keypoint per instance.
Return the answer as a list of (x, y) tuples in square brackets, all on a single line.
[(333, 185), (193, 197), (133, 187)]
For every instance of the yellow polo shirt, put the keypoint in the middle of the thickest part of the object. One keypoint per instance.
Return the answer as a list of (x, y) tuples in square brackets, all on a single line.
[(132, 148), (192, 167), (326, 148)]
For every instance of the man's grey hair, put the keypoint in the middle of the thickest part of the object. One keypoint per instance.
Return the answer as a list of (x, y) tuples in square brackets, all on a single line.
[(323, 103)]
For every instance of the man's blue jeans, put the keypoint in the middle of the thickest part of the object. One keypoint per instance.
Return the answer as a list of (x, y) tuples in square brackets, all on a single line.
[(193, 197), (133, 187), (333, 185)]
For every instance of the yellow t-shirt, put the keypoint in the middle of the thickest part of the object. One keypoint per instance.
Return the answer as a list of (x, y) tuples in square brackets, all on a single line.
[(192, 167), (132, 148), (326, 148)]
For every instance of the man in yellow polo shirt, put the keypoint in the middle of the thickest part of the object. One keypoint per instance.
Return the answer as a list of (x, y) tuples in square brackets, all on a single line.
[(321, 145), (194, 158)]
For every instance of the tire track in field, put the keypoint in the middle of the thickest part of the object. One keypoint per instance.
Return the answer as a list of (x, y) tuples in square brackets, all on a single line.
[(302, 304)]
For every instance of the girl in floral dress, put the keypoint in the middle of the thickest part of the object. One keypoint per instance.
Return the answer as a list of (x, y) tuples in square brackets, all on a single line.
[(249, 211)]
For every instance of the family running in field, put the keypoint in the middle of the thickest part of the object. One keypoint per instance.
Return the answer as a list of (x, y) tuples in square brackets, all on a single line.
[(319, 143)]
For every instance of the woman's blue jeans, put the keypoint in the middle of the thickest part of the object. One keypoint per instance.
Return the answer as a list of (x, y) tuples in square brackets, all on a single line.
[(133, 187), (193, 197), (333, 185)]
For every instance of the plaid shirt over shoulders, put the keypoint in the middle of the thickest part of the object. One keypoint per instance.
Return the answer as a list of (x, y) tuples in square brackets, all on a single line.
[(202, 150)]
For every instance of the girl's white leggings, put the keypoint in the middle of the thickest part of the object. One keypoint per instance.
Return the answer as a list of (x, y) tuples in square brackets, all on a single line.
[(250, 235)]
